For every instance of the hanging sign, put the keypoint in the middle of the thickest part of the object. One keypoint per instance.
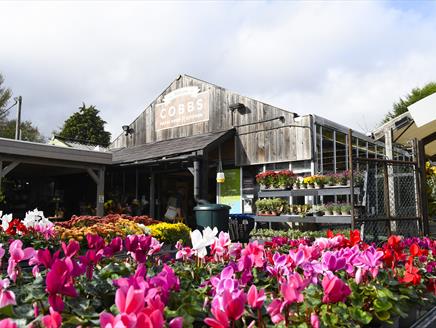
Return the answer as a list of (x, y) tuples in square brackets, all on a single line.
[(180, 107)]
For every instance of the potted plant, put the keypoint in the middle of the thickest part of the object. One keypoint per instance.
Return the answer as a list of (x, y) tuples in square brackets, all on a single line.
[(346, 209), (345, 178), (276, 206), (318, 210), (296, 184), (329, 179), (319, 181), (328, 209), (260, 206), (336, 209), (309, 182), (285, 179)]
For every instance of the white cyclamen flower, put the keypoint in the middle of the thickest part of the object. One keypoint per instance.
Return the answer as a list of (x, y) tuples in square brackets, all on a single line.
[(200, 242), (6, 219)]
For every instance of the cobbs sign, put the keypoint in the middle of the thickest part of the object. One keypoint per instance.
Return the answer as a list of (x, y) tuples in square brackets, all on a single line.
[(180, 107)]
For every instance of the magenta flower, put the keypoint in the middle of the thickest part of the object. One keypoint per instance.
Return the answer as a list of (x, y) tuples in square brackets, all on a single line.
[(59, 283), (225, 281), (8, 323), (333, 262), (115, 246), (90, 260), (254, 298), (221, 245), (369, 260), (130, 301), (335, 290), (292, 288), (7, 297), (275, 311), (42, 257), (231, 303), (219, 320), (183, 252), (255, 252), (176, 323), (52, 320), (72, 248), (95, 242), (17, 254), (314, 320), (107, 320)]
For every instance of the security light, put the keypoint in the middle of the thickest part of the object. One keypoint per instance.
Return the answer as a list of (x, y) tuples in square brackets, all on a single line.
[(127, 130)]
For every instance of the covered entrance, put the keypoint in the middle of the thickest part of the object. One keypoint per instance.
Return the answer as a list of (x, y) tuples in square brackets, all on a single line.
[(184, 168), (51, 177)]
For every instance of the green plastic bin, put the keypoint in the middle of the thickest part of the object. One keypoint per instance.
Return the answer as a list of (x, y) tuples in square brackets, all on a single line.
[(212, 215)]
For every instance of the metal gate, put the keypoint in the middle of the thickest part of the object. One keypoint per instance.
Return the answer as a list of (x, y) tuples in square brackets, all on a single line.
[(388, 197)]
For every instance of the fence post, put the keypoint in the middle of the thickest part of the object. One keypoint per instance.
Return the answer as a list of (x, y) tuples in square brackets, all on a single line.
[(422, 185), (387, 196), (350, 167)]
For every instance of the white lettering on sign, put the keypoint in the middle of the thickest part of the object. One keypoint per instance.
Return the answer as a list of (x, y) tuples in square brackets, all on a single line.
[(183, 106)]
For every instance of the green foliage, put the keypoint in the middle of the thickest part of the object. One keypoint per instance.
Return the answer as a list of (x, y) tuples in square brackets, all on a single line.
[(415, 95), (5, 95), (28, 131), (86, 126)]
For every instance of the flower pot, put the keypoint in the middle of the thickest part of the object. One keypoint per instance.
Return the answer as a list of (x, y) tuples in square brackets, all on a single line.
[(346, 213), (318, 186), (336, 213), (327, 212), (310, 186), (296, 186)]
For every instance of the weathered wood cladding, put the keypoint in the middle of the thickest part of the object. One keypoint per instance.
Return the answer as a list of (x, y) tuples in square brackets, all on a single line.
[(272, 141)]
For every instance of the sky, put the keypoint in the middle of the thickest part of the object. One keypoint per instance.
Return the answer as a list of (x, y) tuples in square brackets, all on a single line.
[(345, 61)]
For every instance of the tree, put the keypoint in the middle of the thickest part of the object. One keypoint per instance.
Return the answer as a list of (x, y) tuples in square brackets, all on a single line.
[(415, 95), (28, 131), (5, 95), (86, 126)]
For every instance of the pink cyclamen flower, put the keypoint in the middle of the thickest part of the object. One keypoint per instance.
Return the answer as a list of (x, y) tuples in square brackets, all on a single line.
[(59, 282), (314, 320), (7, 297), (183, 253), (115, 246), (130, 300), (335, 290), (71, 249), (17, 254), (275, 311), (2, 253), (52, 320), (176, 322), (219, 320), (255, 299), (292, 288), (108, 320), (8, 323), (255, 252)]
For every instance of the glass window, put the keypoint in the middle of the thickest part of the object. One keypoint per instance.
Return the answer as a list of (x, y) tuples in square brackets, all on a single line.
[(371, 150), (319, 148), (341, 152), (327, 151), (380, 152), (356, 152)]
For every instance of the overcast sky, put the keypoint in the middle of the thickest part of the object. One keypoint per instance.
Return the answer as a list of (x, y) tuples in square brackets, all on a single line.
[(346, 61)]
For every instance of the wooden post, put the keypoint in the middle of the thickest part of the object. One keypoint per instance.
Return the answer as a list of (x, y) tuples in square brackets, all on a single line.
[(196, 179), (350, 167), (152, 194), (422, 186), (387, 197), (100, 192), (204, 189), (1, 175)]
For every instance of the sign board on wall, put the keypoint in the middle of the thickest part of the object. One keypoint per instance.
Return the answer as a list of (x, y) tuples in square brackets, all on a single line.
[(180, 107), (231, 190)]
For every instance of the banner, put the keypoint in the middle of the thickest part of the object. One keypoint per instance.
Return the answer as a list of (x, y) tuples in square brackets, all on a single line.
[(231, 190)]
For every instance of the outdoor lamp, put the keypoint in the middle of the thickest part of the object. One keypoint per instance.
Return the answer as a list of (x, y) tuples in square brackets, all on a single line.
[(127, 130), (220, 178)]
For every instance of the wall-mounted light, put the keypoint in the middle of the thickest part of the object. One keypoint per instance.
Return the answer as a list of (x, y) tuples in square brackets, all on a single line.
[(128, 130)]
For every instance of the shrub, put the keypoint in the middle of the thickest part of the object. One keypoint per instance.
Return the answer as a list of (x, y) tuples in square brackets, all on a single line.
[(170, 233)]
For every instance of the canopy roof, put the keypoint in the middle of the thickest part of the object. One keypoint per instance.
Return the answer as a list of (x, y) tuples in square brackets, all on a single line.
[(172, 148)]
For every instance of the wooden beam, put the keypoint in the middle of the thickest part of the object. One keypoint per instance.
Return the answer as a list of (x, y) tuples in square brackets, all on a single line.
[(48, 162), (100, 192), (9, 168), (93, 175)]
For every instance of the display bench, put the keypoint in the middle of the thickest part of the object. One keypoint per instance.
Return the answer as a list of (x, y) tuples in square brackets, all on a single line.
[(324, 219), (326, 191), (312, 219)]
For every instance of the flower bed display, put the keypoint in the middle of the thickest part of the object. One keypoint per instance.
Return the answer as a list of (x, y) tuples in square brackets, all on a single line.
[(331, 281), (283, 179)]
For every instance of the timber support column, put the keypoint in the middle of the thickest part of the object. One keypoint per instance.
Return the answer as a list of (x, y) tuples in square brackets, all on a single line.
[(204, 190), (98, 178), (196, 174), (152, 194)]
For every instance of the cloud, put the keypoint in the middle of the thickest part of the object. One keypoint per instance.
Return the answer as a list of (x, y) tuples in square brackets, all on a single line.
[(345, 61)]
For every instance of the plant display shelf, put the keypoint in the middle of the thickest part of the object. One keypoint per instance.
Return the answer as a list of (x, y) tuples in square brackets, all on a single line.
[(326, 191), (326, 219)]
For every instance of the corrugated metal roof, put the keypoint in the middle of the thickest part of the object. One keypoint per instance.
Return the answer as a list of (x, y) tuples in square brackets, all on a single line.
[(168, 148)]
